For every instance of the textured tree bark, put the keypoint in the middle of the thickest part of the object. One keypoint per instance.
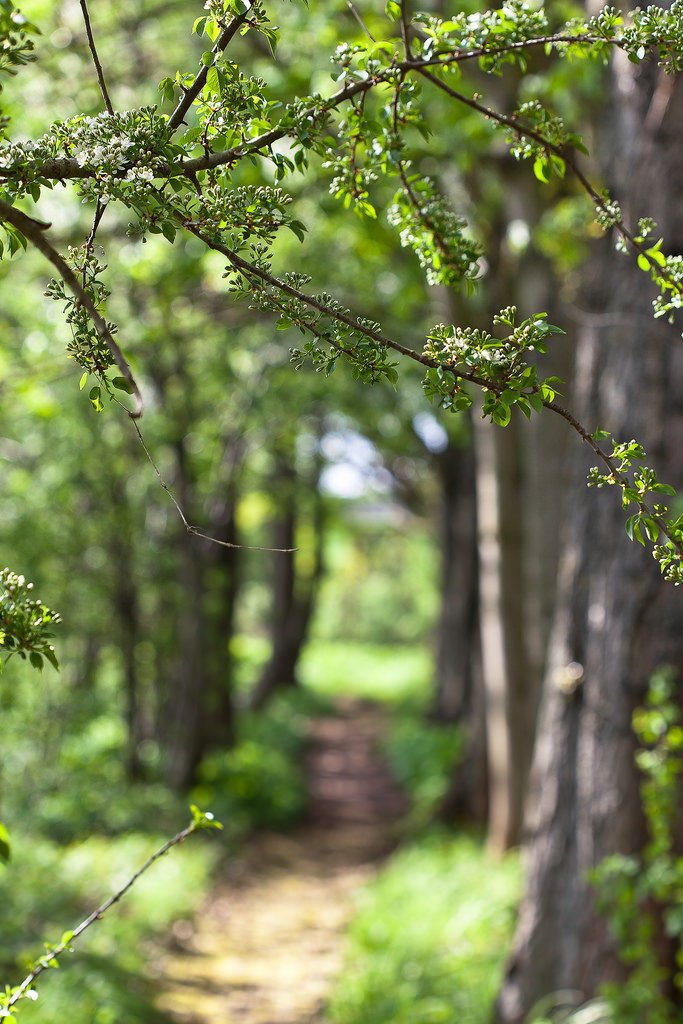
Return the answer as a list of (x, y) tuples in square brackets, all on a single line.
[(617, 621)]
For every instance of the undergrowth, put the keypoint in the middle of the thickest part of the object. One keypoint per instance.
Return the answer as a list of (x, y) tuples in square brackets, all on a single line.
[(429, 940)]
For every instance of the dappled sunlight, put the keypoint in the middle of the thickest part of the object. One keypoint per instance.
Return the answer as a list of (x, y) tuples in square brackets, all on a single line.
[(268, 944)]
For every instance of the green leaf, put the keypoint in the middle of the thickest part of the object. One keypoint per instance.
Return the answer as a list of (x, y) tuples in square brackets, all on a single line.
[(213, 81), (654, 253), (297, 228), (82, 381), (95, 396), (121, 384), (559, 166), (203, 819), (501, 415), (51, 657), (36, 660), (166, 88), (541, 169), (392, 10), (212, 29), (4, 845), (643, 262)]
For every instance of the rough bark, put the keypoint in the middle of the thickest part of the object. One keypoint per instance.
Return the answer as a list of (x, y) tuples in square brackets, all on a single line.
[(617, 621)]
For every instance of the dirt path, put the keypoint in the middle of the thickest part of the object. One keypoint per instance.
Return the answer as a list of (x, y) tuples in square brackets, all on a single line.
[(270, 942)]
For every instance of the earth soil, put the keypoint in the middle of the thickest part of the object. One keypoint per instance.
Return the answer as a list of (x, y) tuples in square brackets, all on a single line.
[(268, 944)]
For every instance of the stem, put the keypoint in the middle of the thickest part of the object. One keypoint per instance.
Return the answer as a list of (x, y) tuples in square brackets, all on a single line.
[(45, 961), (95, 59), (195, 531)]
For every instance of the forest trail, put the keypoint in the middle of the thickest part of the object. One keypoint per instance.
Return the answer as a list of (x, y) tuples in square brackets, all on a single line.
[(269, 941)]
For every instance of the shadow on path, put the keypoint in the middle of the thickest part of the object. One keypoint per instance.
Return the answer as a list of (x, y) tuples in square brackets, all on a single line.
[(269, 941)]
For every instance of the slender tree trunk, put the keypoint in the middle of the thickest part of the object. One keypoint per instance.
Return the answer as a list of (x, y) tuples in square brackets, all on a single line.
[(617, 621), (183, 715), (222, 573), (511, 693), (293, 592), (458, 697)]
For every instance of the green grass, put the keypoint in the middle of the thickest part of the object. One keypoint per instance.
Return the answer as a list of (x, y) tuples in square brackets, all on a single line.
[(388, 673), (48, 888), (430, 936)]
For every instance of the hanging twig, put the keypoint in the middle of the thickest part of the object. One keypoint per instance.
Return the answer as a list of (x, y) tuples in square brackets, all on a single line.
[(194, 530), (95, 59)]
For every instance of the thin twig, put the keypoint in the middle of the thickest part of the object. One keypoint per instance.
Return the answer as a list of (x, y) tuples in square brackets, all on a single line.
[(356, 13), (195, 531), (100, 207), (34, 230), (45, 962), (95, 59), (405, 20)]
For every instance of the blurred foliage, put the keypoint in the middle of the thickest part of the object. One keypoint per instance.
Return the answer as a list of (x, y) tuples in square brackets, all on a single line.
[(390, 674), (428, 943), (259, 782), (635, 893), (109, 981), (423, 755)]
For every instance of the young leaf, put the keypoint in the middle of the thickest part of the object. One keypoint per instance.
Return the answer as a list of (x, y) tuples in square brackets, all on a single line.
[(4, 844)]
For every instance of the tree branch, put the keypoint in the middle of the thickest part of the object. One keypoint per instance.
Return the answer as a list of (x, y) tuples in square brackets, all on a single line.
[(95, 59), (45, 961), (249, 269), (564, 155), (34, 232)]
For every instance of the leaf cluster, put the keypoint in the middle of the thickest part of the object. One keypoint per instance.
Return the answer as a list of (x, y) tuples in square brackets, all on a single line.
[(25, 622), (634, 891)]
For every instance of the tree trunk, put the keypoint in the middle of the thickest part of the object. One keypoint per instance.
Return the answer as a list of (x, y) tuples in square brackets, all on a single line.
[(222, 582), (617, 621), (458, 697), (293, 592), (183, 713)]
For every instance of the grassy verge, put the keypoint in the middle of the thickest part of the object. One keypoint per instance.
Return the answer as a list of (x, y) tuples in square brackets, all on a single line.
[(49, 887), (430, 936), (392, 674)]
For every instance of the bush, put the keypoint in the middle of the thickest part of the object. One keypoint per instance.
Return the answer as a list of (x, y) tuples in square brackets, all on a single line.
[(259, 783), (422, 756)]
